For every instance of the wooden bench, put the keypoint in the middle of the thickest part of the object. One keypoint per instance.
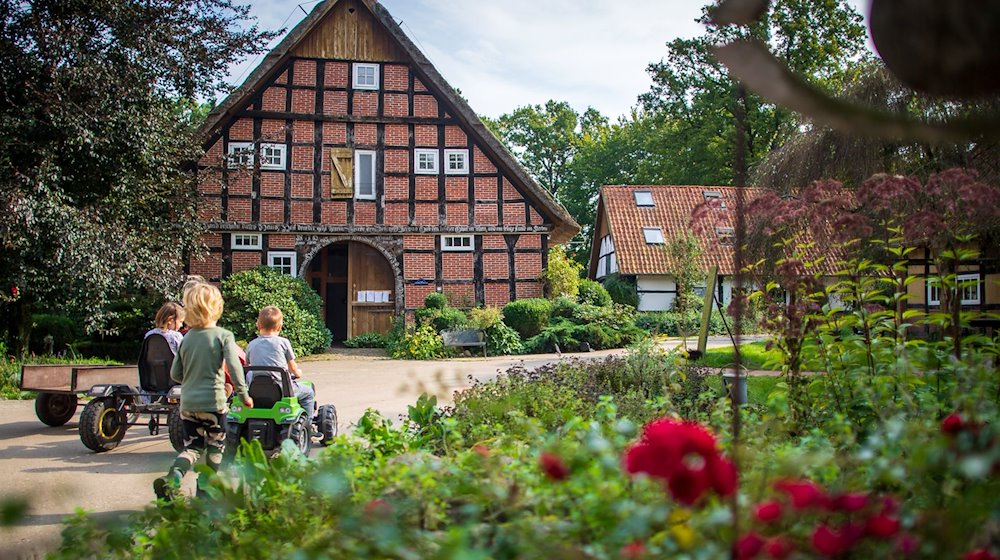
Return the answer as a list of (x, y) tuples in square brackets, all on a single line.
[(464, 338)]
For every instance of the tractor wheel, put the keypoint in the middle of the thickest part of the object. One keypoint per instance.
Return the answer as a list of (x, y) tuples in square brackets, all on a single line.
[(55, 409), (175, 429), (300, 434), (102, 425), (326, 424)]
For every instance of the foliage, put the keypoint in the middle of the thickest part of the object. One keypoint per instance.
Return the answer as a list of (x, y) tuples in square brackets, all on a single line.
[(622, 290), (593, 293), (98, 135), (672, 323), (562, 275), (366, 340), (527, 316), (248, 291), (440, 318), (684, 252), (420, 343), (483, 318), (502, 340), (63, 330), (436, 300), (753, 355)]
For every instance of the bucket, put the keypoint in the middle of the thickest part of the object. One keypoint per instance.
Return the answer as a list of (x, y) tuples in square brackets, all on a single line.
[(735, 383)]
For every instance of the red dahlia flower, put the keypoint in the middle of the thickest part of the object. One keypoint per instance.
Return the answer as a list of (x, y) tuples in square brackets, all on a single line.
[(553, 467), (830, 542), (768, 511), (749, 546), (882, 526), (803, 493), (778, 548), (848, 503), (633, 550), (952, 424)]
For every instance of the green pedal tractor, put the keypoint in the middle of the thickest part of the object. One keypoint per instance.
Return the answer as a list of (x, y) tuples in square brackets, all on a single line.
[(276, 415)]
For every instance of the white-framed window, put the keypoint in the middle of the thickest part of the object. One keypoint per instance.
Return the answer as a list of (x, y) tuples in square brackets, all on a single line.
[(968, 289), (726, 235), (456, 162), (272, 156), (282, 261), (425, 161), (246, 241), (365, 75), (364, 174), (240, 154), (644, 198), (653, 235), (456, 243)]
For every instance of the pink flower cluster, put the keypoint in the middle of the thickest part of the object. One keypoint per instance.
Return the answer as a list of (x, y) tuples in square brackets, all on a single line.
[(843, 521), (685, 456)]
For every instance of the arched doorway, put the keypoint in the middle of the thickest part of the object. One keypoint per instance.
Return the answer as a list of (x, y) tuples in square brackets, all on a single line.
[(358, 287)]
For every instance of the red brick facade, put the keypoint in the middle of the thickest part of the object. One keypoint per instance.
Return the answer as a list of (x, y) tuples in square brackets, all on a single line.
[(303, 113), (500, 265)]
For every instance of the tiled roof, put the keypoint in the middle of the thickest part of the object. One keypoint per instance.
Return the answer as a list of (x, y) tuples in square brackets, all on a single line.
[(671, 212)]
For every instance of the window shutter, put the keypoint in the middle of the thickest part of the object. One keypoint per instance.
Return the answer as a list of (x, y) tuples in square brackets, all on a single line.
[(341, 173)]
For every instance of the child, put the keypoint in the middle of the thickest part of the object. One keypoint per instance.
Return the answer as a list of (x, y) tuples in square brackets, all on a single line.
[(169, 320), (269, 349), (198, 367)]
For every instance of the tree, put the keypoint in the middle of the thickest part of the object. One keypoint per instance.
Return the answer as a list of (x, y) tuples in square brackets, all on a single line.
[(699, 103), (95, 177)]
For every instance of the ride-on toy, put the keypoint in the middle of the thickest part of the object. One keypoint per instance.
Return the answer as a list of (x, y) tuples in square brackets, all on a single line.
[(116, 406), (276, 415)]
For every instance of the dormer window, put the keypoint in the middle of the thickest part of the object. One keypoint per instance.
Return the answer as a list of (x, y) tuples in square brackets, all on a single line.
[(653, 236), (365, 76), (726, 235), (714, 195), (644, 199)]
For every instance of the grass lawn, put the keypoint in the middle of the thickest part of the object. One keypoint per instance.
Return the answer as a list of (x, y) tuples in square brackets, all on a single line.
[(752, 356), (758, 387)]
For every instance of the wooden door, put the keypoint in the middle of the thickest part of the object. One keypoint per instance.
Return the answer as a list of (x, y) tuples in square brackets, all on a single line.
[(372, 297)]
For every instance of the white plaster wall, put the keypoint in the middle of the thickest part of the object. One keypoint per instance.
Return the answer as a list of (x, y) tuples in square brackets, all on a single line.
[(656, 302)]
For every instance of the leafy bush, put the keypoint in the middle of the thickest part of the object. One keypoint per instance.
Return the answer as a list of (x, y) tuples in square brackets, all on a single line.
[(562, 275), (248, 291), (440, 319), (593, 293), (436, 300), (671, 323), (621, 290), (366, 340), (483, 318), (563, 307), (527, 316), (63, 330), (422, 343), (502, 340)]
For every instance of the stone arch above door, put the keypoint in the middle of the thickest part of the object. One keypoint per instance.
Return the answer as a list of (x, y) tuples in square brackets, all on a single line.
[(389, 246)]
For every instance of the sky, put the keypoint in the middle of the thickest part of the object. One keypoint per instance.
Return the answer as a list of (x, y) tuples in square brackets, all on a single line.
[(503, 55)]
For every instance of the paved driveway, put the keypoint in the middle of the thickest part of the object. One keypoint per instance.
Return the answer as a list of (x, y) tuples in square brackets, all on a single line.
[(58, 474)]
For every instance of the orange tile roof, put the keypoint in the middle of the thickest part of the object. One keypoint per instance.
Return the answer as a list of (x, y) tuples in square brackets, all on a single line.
[(672, 211)]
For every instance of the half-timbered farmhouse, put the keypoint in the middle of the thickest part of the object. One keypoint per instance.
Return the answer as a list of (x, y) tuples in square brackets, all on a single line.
[(346, 159)]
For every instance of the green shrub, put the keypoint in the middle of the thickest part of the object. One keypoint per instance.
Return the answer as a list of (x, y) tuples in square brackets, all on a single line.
[(672, 323), (484, 318), (248, 291), (422, 343), (436, 300), (366, 340), (563, 307), (562, 275), (502, 340), (593, 293), (527, 316), (63, 330), (441, 319), (622, 290)]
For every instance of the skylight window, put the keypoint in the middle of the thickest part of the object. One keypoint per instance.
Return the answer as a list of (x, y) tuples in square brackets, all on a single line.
[(644, 198), (711, 196), (654, 236)]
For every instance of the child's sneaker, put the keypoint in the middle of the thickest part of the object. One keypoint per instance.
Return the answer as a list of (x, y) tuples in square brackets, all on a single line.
[(165, 488)]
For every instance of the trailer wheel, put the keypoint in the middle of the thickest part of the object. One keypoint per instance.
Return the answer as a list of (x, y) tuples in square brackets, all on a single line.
[(55, 409), (102, 425), (175, 429)]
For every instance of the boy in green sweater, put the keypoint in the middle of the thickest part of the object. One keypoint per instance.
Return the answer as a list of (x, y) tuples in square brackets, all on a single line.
[(198, 367)]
